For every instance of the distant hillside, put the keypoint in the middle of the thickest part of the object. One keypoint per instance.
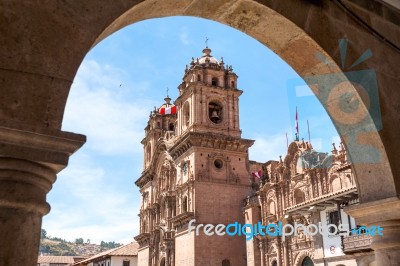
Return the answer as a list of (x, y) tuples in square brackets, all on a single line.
[(54, 246)]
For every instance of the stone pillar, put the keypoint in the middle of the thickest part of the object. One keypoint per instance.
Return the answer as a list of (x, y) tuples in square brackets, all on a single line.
[(167, 256), (279, 252), (173, 256), (29, 162), (384, 213), (262, 254), (285, 253), (252, 216)]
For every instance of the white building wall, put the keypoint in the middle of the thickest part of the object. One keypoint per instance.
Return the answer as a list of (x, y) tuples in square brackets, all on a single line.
[(332, 243), (332, 246), (105, 262), (143, 257), (118, 260)]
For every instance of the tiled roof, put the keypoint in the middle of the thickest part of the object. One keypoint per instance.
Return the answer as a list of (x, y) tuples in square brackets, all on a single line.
[(56, 259), (130, 249)]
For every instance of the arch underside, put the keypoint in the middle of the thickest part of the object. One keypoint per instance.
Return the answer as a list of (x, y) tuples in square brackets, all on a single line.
[(44, 107)]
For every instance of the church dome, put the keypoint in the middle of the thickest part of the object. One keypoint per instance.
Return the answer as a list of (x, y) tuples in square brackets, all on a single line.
[(167, 108), (207, 57), (313, 159)]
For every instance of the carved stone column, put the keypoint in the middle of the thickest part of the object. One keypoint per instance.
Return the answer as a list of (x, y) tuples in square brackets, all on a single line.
[(262, 253), (167, 256), (285, 254), (173, 258), (384, 213), (29, 162), (279, 251)]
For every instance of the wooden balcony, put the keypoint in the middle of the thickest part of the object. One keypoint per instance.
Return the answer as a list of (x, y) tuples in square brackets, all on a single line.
[(182, 218), (323, 201), (356, 243), (251, 201)]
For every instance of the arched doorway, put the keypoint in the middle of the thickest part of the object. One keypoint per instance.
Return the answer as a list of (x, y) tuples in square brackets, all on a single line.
[(307, 261), (226, 262), (162, 262)]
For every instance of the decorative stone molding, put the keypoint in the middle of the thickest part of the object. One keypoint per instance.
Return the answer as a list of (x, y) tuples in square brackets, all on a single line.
[(356, 243), (214, 141), (384, 213), (51, 148), (182, 219)]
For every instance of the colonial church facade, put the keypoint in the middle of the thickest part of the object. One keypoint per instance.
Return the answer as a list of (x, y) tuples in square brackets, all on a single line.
[(196, 167), (308, 188)]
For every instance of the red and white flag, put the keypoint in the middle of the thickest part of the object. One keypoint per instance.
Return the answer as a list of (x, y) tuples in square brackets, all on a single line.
[(257, 174), (168, 110)]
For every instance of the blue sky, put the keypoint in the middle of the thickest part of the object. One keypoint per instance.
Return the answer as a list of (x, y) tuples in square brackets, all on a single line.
[(119, 83)]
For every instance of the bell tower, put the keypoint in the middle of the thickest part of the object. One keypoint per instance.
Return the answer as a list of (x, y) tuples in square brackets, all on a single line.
[(196, 167), (212, 162), (209, 98)]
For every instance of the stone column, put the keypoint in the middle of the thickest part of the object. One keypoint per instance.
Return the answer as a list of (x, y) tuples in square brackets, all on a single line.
[(167, 256), (29, 162), (279, 251), (173, 256), (262, 255), (384, 213), (285, 253)]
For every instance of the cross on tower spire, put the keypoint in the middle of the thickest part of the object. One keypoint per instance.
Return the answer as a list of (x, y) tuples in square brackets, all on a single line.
[(206, 42)]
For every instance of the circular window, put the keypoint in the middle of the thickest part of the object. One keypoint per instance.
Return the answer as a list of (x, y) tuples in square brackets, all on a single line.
[(218, 164)]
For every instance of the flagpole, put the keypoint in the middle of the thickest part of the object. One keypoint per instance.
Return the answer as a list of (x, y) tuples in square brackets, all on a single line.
[(308, 127), (297, 126), (287, 141)]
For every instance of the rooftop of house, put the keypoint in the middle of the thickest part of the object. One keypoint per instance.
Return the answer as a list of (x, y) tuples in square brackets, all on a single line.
[(130, 249), (56, 259)]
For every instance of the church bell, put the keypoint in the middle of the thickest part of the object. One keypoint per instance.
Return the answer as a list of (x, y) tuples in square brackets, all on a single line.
[(214, 114)]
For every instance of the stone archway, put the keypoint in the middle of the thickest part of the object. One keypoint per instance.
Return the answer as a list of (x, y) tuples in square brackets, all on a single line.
[(43, 48), (162, 263), (307, 262), (304, 258)]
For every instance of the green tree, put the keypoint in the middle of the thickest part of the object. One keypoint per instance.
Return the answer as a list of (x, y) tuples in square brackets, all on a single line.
[(79, 241), (43, 234)]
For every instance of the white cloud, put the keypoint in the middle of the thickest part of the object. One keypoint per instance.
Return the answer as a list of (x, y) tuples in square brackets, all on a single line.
[(268, 148), (88, 206), (317, 144), (103, 110), (337, 140), (93, 198)]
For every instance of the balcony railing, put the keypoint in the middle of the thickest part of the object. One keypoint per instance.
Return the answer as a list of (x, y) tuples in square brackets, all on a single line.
[(356, 243), (251, 201)]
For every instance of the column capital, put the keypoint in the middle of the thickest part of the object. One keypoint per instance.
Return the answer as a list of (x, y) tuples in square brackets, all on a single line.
[(30, 159), (260, 243), (371, 213), (49, 147), (384, 213), (29, 162)]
